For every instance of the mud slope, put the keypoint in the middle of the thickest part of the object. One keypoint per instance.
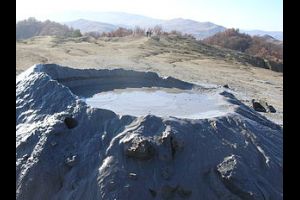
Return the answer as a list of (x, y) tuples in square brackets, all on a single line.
[(68, 150)]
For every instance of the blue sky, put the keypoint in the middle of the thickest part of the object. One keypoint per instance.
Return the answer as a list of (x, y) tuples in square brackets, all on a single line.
[(244, 14)]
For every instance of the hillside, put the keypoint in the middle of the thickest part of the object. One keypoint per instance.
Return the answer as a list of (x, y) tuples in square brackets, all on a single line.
[(265, 47), (91, 26), (123, 19), (99, 22), (127, 20), (199, 30), (275, 34), (32, 27), (106, 21), (269, 38)]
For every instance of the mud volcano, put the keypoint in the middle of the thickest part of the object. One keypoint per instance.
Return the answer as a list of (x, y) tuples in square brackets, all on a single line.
[(160, 102), (121, 134)]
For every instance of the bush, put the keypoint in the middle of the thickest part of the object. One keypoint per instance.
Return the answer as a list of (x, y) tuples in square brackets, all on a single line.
[(76, 33), (177, 33), (93, 34), (120, 32)]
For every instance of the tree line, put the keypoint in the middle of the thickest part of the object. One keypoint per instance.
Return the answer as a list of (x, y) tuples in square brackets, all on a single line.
[(256, 45), (137, 31), (31, 27)]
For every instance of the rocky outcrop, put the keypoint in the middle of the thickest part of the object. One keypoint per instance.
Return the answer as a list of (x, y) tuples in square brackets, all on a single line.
[(262, 106), (139, 148), (97, 154), (258, 106)]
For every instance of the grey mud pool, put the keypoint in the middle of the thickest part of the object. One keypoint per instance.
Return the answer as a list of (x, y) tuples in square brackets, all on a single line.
[(163, 102)]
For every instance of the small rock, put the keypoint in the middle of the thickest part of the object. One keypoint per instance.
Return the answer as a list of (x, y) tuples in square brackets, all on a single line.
[(226, 168), (271, 109), (132, 176), (70, 122), (30, 159), (262, 106), (235, 175), (25, 156), (71, 161), (140, 148), (257, 106), (127, 188), (226, 86)]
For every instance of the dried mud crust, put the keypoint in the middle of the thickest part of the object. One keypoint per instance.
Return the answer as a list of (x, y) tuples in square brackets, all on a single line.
[(107, 156)]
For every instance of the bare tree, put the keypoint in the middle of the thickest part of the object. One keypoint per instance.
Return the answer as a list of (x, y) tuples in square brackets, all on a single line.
[(157, 30), (138, 31)]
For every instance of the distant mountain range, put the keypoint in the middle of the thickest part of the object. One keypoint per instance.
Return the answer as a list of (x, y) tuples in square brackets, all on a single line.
[(271, 39), (275, 34), (120, 19), (91, 26), (199, 30), (108, 21)]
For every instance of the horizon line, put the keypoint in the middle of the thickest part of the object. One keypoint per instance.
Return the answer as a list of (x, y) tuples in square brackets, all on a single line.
[(86, 18)]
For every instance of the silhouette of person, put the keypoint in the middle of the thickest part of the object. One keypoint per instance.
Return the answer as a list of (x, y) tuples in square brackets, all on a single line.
[(148, 33)]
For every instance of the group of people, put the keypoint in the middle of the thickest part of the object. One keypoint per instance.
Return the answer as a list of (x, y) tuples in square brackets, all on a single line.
[(148, 33)]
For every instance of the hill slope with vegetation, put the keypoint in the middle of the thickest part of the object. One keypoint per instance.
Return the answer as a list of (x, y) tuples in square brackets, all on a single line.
[(31, 27), (265, 47)]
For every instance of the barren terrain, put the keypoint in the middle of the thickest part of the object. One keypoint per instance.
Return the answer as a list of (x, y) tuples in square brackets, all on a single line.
[(69, 149), (182, 58)]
